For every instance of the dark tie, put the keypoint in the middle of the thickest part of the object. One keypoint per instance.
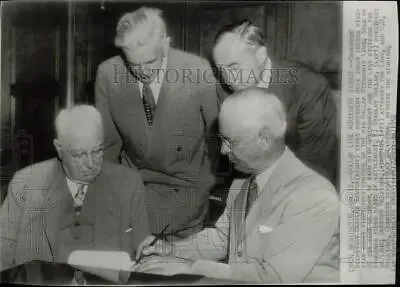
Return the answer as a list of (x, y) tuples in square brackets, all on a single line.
[(79, 278), (149, 103), (80, 195), (79, 198), (252, 194)]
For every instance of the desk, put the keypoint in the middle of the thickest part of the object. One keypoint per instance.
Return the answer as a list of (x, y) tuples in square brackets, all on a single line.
[(45, 273)]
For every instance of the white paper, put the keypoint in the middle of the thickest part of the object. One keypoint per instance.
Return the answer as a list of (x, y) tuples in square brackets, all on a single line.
[(105, 264)]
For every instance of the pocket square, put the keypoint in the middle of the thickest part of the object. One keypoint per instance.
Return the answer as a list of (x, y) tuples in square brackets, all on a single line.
[(264, 229)]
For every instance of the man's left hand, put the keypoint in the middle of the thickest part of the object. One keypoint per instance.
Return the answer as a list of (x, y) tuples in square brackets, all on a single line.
[(163, 265)]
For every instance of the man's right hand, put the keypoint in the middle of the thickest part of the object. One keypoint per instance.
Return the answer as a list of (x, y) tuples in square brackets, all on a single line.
[(161, 247)]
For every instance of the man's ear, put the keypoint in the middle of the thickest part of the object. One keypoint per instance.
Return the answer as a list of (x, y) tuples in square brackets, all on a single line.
[(57, 146), (265, 139), (167, 42), (261, 54)]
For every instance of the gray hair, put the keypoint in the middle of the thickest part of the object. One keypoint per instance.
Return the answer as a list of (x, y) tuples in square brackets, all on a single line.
[(246, 30), (139, 27), (82, 116)]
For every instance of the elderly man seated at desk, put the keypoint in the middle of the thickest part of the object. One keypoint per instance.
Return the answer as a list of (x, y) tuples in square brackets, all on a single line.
[(280, 225), (75, 202)]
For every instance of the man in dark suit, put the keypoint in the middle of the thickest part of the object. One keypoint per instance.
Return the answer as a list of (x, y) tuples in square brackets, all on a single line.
[(74, 202), (245, 61), (159, 105)]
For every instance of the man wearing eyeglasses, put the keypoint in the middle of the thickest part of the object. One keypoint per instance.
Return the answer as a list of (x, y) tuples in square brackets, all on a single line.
[(280, 224), (75, 202)]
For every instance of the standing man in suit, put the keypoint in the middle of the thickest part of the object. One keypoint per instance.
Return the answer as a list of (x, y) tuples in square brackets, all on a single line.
[(245, 60), (74, 202), (159, 106), (281, 224)]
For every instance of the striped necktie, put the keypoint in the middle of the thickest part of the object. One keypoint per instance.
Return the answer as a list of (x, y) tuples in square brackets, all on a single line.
[(252, 194), (149, 103), (78, 279), (80, 195)]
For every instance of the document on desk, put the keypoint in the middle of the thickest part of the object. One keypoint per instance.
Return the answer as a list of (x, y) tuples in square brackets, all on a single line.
[(104, 264)]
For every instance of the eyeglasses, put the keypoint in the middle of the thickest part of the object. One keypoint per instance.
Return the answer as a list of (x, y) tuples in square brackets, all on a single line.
[(80, 156), (231, 143), (227, 141)]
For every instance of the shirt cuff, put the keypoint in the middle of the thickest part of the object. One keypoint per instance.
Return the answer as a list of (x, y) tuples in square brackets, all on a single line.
[(211, 269)]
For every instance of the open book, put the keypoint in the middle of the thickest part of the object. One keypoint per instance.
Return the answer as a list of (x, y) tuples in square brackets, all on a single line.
[(114, 266)]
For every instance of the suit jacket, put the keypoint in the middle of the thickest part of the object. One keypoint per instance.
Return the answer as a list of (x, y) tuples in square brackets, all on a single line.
[(290, 235), (34, 209), (173, 156), (311, 114)]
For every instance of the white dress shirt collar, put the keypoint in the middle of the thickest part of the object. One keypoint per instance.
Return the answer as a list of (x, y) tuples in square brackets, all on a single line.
[(263, 177), (156, 84), (266, 75), (73, 188)]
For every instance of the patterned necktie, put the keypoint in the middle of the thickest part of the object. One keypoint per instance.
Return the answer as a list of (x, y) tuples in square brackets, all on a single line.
[(79, 196), (149, 103), (252, 193), (78, 279)]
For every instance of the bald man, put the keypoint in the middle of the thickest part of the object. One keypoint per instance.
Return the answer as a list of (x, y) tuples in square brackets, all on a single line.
[(75, 201), (280, 225)]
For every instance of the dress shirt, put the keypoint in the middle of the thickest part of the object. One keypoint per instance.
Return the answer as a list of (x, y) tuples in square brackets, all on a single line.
[(73, 188), (157, 82), (266, 76)]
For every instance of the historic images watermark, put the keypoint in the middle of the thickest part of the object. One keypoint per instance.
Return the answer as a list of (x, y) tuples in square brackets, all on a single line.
[(126, 74)]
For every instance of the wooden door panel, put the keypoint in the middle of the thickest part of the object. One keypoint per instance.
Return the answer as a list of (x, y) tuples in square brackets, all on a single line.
[(37, 76)]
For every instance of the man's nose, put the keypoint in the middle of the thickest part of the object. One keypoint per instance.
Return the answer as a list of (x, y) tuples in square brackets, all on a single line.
[(89, 162)]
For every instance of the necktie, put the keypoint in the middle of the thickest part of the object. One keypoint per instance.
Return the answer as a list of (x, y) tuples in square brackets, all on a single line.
[(79, 196), (78, 278), (252, 194), (149, 103)]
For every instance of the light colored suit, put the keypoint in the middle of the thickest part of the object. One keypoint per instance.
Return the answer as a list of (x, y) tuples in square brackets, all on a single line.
[(173, 156), (290, 235), (38, 211)]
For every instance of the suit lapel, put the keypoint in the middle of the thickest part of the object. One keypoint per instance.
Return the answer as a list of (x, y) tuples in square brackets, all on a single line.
[(129, 107), (271, 192), (260, 210), (169, 105), (55, 189)]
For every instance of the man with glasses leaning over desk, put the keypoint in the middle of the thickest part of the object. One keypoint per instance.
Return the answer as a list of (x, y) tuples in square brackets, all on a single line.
[(75, 202), (280, 225)]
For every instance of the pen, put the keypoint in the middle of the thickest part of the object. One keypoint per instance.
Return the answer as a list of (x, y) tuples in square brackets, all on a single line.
[(156, 237)]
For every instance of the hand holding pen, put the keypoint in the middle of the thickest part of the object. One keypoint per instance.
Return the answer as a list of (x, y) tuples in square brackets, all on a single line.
[(154, 245)]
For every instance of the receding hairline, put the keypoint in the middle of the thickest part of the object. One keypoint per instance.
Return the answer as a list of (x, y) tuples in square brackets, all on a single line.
[(133, 22), (248, 32), (237, 41), (77, 118)]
